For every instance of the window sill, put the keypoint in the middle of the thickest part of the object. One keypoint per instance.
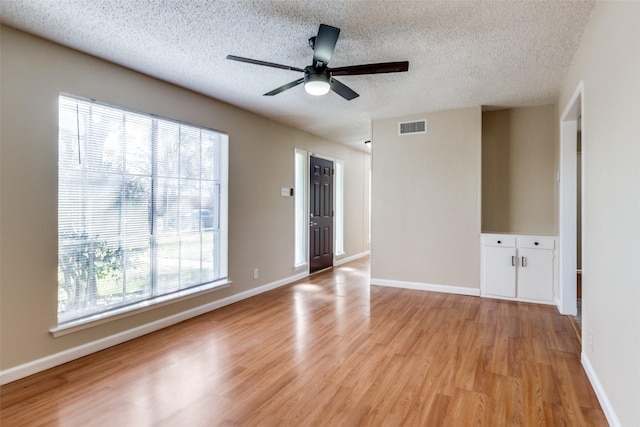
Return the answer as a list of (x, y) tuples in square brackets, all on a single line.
[(66, 328)]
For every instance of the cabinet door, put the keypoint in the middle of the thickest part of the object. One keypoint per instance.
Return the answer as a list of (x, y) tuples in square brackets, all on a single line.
[(535, 274), (499, 271)]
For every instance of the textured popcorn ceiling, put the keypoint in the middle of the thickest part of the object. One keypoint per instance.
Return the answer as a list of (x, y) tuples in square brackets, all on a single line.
[(461, 53)]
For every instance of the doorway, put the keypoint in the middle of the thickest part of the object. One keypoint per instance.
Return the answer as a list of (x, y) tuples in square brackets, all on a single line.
[(571, 121), (578, 315), (321, 214)]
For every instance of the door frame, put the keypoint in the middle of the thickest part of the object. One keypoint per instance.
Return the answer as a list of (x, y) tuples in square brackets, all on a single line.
[(568, 218), (305, 194)]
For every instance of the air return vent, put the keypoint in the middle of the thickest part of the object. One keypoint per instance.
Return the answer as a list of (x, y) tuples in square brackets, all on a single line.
[(410, 128)]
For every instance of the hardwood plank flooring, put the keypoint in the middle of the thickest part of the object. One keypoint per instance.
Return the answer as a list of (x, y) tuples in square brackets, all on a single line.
[(328, 350)]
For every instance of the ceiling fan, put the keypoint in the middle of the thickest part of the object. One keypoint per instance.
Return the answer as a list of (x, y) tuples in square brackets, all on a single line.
[(319, 78)]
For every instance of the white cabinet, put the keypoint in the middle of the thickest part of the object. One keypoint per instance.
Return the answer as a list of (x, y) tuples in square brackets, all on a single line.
[(499, 264), (518, 267)]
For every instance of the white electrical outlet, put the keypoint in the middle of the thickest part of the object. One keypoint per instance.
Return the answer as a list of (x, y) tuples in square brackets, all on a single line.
[(255, 273)]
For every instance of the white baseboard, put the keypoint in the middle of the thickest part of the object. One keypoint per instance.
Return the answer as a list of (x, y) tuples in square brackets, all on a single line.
[(612, 418), (427, 287), (351, 258), (532, 301), (39, 365)]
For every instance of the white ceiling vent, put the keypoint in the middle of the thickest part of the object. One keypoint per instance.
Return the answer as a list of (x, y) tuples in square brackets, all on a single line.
[(410, 128)]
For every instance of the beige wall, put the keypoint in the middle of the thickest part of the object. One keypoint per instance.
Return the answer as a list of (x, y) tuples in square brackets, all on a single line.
[(33, 73), (518, 170), (356, 227), (426, 200), (608, 62)]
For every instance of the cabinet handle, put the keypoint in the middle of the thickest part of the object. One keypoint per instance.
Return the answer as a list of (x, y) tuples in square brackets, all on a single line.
[(522, 261), (513, 261)]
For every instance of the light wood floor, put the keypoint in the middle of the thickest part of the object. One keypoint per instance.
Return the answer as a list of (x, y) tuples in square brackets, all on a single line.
[(329, 350)]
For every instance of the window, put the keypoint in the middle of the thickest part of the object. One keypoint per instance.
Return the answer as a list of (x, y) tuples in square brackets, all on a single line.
[(301, 217), (142, 208), (339, 207)]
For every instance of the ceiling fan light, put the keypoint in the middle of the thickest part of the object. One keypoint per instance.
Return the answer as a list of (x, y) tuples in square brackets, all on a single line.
[(317, 84), (317, 87)]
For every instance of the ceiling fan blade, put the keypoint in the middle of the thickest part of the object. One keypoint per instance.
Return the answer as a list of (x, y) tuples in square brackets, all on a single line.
[(383, 67), (343, 90), (285, 87), (324, 45), (265, 63)]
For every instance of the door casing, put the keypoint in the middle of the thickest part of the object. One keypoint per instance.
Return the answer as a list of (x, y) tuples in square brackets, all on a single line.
[(573, 113)]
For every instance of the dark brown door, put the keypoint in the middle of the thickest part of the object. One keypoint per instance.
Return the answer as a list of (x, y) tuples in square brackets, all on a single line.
[(321, 213)]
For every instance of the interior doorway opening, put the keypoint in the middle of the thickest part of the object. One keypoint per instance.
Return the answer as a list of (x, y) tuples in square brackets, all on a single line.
[(572, 125), (578, 316)]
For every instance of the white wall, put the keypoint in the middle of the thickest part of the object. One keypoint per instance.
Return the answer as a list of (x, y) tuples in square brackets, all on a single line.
[(426, 202), (608, 61), (261, 221)]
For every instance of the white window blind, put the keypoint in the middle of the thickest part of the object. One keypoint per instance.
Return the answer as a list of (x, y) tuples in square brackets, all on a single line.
[(142, 207)]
